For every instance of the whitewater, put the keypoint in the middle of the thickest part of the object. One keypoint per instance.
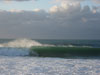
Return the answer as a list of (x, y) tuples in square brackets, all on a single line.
[(19, 47), (15, 60), (48, 66)]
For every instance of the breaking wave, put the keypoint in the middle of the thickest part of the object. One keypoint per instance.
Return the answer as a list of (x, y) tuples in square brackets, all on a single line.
[(28, 43), (28, 47), (21, 43), (19, 47)]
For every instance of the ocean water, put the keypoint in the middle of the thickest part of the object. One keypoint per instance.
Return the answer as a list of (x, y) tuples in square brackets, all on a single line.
[(49, 57), (50, 48)]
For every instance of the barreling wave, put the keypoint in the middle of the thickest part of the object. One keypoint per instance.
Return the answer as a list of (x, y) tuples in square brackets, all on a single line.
[(66, 52), (27, 47)]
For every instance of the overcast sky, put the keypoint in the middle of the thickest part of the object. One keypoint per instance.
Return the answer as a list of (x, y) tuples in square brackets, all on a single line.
[(50, 19)]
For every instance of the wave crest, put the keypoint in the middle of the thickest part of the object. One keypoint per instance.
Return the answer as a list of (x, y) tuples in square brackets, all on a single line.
[(28, 43), (23, 43)]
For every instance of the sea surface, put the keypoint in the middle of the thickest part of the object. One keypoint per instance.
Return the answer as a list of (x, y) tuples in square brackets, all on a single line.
[(49, 57)]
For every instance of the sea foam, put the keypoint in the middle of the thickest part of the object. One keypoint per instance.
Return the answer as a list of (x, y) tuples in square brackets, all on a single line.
[(21, 43), (19, 47)]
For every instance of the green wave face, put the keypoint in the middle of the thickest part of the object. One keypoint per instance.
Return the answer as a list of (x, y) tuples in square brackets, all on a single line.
[(65, 52)]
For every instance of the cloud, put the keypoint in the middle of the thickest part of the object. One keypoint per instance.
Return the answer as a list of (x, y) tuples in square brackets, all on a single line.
[(67, 22), (64, 6), (96, 1), (69, 1)]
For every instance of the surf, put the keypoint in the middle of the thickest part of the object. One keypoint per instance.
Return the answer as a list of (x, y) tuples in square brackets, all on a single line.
[(18, 47), (21, 43), (28, 47)]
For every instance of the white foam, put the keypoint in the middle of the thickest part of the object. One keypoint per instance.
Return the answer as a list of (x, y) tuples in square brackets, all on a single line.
[(23, 43), (48, 66), (19, 47)]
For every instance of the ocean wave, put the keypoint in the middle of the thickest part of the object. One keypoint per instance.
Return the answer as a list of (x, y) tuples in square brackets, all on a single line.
[(28, 47), (21, 43), (48, 51), (66, 52), (28, 43)]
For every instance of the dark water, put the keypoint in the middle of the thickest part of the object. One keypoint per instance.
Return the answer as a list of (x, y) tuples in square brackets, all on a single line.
[(66, 52)]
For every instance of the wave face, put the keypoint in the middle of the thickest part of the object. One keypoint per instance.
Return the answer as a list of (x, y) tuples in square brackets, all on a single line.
[(66, 52), (14, 51)]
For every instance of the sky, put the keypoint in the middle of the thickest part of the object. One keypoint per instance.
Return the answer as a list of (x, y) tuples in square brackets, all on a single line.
[(50, 19)]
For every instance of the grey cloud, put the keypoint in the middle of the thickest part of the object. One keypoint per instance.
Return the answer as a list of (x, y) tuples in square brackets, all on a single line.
[(96, 1), (71, 23)]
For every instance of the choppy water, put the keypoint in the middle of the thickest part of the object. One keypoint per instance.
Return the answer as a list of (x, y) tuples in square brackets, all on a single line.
[(48, 66)]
